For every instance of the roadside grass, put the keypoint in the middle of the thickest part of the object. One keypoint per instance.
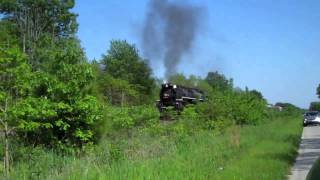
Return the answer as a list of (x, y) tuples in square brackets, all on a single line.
[(270, 153), (264, 151)]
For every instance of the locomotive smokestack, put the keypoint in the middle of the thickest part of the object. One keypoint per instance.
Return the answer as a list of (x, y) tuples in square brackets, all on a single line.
[(169, 31)]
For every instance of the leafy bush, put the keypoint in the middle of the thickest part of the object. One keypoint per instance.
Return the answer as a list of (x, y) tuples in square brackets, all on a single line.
[(117, 91), (123, 61), (289, 109), (228, 107), (128, 117), (51, 108), (224, 105)]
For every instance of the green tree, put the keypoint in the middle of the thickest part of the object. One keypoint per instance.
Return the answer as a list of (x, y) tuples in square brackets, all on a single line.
[(57, 109), (182, 80), (289, 108), (224, 108), (314, 106), (123, 61), (191, 81), (318, 91), (219, 81), (50, 52), (34, 19), (257, 94), (117, 91), (8, 34), (15, 74), (60, 111)]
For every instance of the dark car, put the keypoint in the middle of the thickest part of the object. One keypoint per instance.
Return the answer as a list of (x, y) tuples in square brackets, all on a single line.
[(311, 117)]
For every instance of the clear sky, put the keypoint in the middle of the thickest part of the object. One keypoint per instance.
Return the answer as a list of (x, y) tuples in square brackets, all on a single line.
[(269, 45)]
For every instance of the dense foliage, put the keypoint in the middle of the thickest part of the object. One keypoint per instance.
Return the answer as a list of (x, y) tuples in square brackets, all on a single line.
[(123, 61), (15, 75), (224, 104), (33, 20), (45, 77), (219, 81)]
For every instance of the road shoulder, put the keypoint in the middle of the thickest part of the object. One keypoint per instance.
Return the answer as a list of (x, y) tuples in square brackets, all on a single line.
[(309, 152)]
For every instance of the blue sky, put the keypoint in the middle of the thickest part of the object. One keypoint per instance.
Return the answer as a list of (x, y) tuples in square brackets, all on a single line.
[(268, 45)]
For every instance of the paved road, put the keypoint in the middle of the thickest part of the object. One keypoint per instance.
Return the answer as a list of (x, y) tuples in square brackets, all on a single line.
[(309, 152)]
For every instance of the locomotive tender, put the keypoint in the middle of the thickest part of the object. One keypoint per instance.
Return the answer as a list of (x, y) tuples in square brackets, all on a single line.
[(178, 96)]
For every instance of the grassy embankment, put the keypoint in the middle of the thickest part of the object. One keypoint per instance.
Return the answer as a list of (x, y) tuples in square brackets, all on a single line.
[(265, 151)]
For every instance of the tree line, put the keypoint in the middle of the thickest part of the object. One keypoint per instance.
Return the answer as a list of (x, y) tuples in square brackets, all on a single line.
[(315, 106)]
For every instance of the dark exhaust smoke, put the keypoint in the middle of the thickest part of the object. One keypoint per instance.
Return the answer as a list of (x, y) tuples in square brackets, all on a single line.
[(169, 31)]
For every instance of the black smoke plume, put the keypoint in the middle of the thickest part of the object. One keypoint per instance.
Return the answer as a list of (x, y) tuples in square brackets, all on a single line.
[(169, 31)]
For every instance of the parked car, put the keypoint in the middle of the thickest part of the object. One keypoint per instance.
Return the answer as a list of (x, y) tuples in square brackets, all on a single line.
[(311, 117)]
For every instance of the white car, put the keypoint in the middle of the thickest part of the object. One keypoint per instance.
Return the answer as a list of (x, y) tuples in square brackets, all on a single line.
[(311, 117)]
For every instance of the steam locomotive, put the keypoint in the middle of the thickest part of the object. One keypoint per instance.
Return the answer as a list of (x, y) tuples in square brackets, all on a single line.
[(178, 96)]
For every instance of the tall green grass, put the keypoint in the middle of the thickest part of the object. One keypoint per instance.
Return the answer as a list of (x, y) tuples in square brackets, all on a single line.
[(264, 151), (270, 151)]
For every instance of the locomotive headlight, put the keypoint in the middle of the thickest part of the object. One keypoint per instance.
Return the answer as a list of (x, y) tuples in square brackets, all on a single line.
[(174, 86), (166, 85)]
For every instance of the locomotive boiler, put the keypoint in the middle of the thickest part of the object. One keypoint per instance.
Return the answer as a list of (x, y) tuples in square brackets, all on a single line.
[(178, 96)]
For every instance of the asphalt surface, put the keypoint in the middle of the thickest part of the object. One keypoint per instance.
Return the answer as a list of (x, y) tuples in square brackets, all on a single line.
[(309, 152)]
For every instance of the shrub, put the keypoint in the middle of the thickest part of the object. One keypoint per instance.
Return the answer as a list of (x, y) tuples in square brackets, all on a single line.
[(128, 117), (58, 110), (228, 107)]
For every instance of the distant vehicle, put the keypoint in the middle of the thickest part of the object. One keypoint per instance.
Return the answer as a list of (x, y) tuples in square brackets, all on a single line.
[(311, 117), (178, 96)]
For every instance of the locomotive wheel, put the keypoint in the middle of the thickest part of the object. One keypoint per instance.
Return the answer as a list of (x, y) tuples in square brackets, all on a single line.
[(160, 107), (179, 107)]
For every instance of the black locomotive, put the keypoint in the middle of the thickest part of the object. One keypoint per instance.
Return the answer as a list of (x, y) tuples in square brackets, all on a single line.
[(178, 96)]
